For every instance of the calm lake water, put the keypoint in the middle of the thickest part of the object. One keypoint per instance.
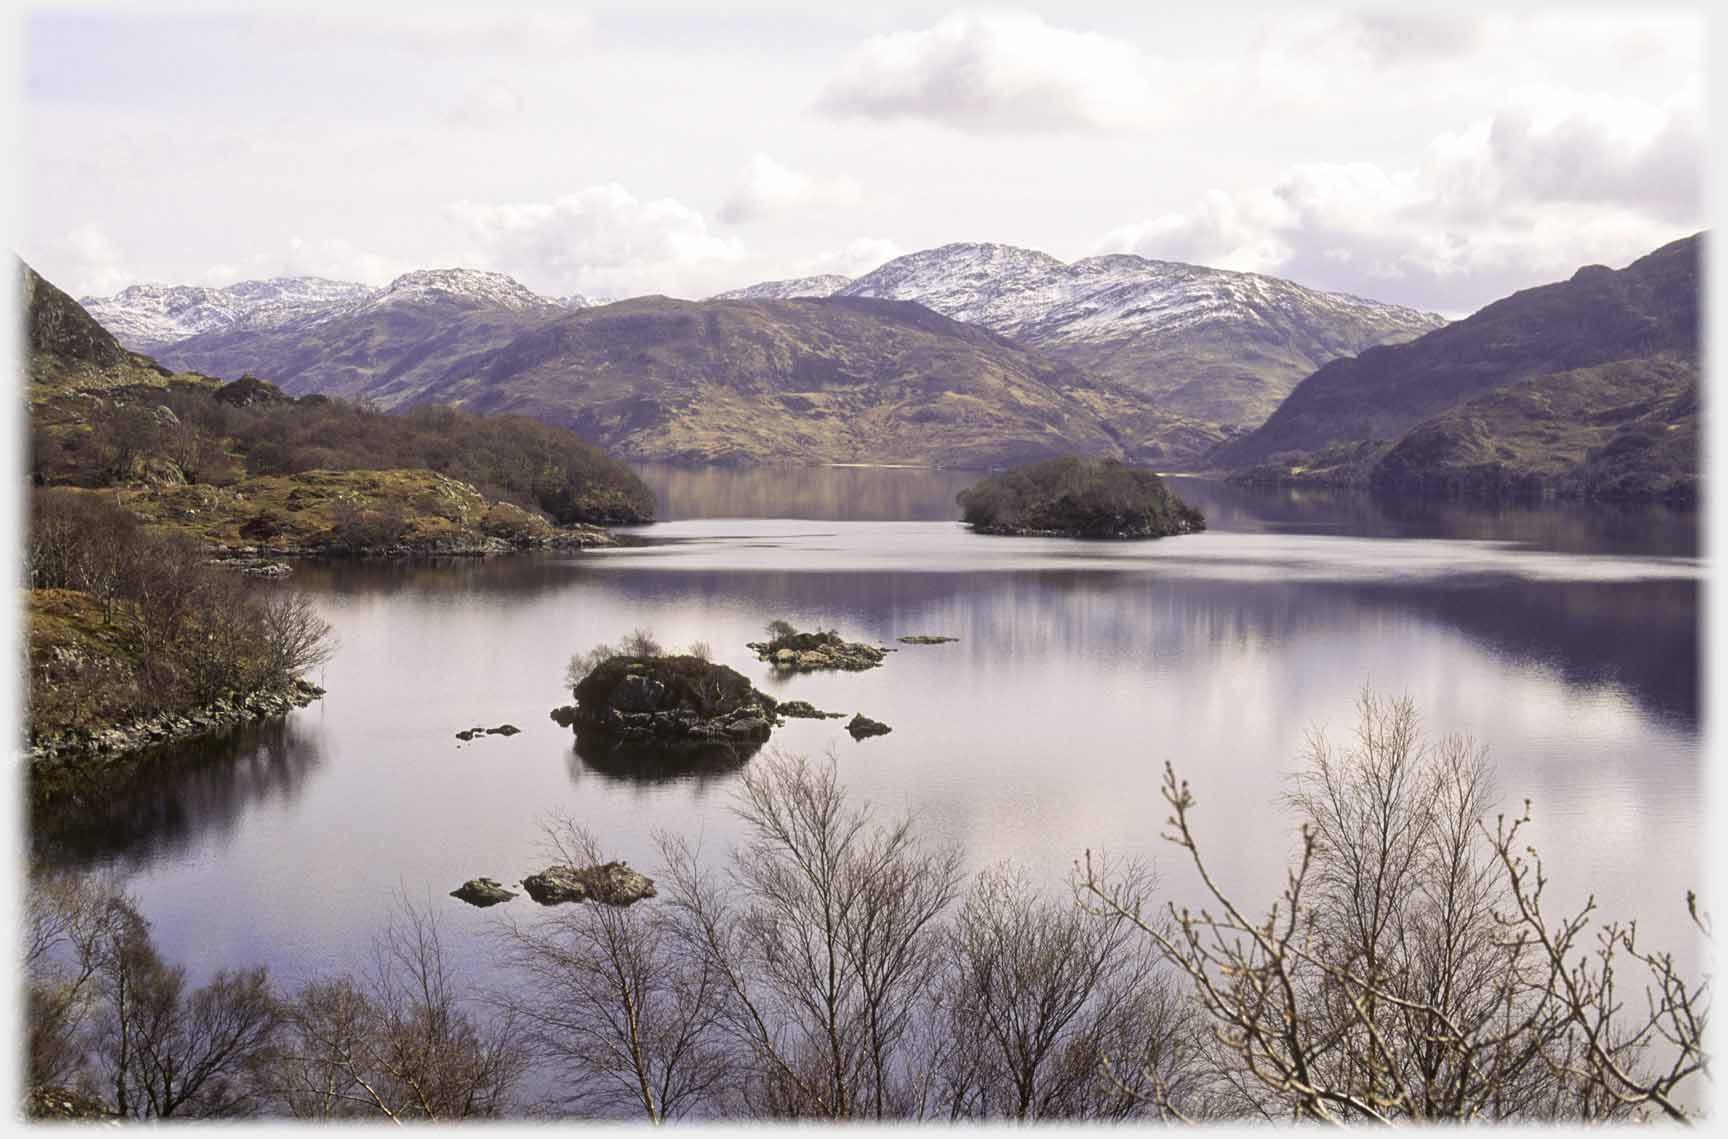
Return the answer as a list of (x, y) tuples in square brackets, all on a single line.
[(1565, 639)]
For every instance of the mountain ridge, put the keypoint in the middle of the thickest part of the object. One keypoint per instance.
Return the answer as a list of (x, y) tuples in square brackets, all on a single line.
[(1207, 345), (1584, 386)]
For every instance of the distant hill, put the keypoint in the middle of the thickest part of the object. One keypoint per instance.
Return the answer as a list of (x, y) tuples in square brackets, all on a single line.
[(187, 452), (1586, 386), (1210, 351), (147, 318), (828, 380), (1205, 344)]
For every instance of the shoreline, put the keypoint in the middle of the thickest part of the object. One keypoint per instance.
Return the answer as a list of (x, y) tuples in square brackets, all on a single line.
[(99, 751)]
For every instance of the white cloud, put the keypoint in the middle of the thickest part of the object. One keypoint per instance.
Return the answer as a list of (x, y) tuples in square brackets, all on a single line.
[(1391, 37), (600, 240), (545, 34), (995, 72), (487, 103), (769, 188), (337, 259), (1524, 196), (854, 259), (84, 261)]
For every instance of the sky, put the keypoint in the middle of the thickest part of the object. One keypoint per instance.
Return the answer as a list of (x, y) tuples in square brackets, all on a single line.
[(1407, 154)]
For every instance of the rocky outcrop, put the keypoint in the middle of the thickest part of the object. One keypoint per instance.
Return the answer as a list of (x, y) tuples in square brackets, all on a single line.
[(116, 742), (862, 726), (804, 710), (926, 639), (482, 892), (674, 699), (813, 652), (610, 883)]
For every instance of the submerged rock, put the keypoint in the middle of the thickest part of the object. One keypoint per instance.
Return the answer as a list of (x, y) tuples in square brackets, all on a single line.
[(862, 726), (612, 883), (804, 710), (926, 639), (500, 730), (482, 892)]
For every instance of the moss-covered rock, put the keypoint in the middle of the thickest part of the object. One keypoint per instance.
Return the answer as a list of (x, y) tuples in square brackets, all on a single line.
[(610, 883), (794, 651)]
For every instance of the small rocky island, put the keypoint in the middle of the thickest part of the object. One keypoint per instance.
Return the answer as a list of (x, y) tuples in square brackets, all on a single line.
[(791, 650), (634, 694), (1077, 498)]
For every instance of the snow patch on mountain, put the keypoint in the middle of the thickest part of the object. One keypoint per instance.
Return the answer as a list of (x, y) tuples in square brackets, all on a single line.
[(475, 288), (145, 317), (1038, 299), (824, 285)]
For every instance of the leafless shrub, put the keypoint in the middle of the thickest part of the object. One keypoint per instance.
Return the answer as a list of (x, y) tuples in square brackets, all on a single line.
[(165, 1052), (1055, 1012), (608, 999), (401, 1042), (825, 937), (1407, 971)]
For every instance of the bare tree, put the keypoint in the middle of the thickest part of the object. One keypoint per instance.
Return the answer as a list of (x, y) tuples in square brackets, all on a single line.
[(399, 1042), (824, 936), (1407, 970), (609, 998), (169, 1053), (294, 638), (69, 919), (1053, 1011)]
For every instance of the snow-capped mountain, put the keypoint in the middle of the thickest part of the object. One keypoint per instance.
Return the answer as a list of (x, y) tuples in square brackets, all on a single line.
[(1210, 343), (825, 285), (582, 301), (1033, 297), (146, 317), (474, 288), (149, 318)]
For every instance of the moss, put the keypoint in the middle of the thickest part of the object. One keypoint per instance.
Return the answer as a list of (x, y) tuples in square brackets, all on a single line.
[(335, 509)]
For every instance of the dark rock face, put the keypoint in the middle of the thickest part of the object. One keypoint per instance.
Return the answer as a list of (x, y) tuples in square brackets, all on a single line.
[(482, 892), (611, 883), (1077, 498), (926, 639), (812, 652), (249, 390), (862, 726), (58, 326), (677, 698)]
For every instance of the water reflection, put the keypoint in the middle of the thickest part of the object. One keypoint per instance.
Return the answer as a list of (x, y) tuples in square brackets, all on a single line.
[(638, 761), (1567, 644), (894, 494), (179, 796), (851, 494)]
